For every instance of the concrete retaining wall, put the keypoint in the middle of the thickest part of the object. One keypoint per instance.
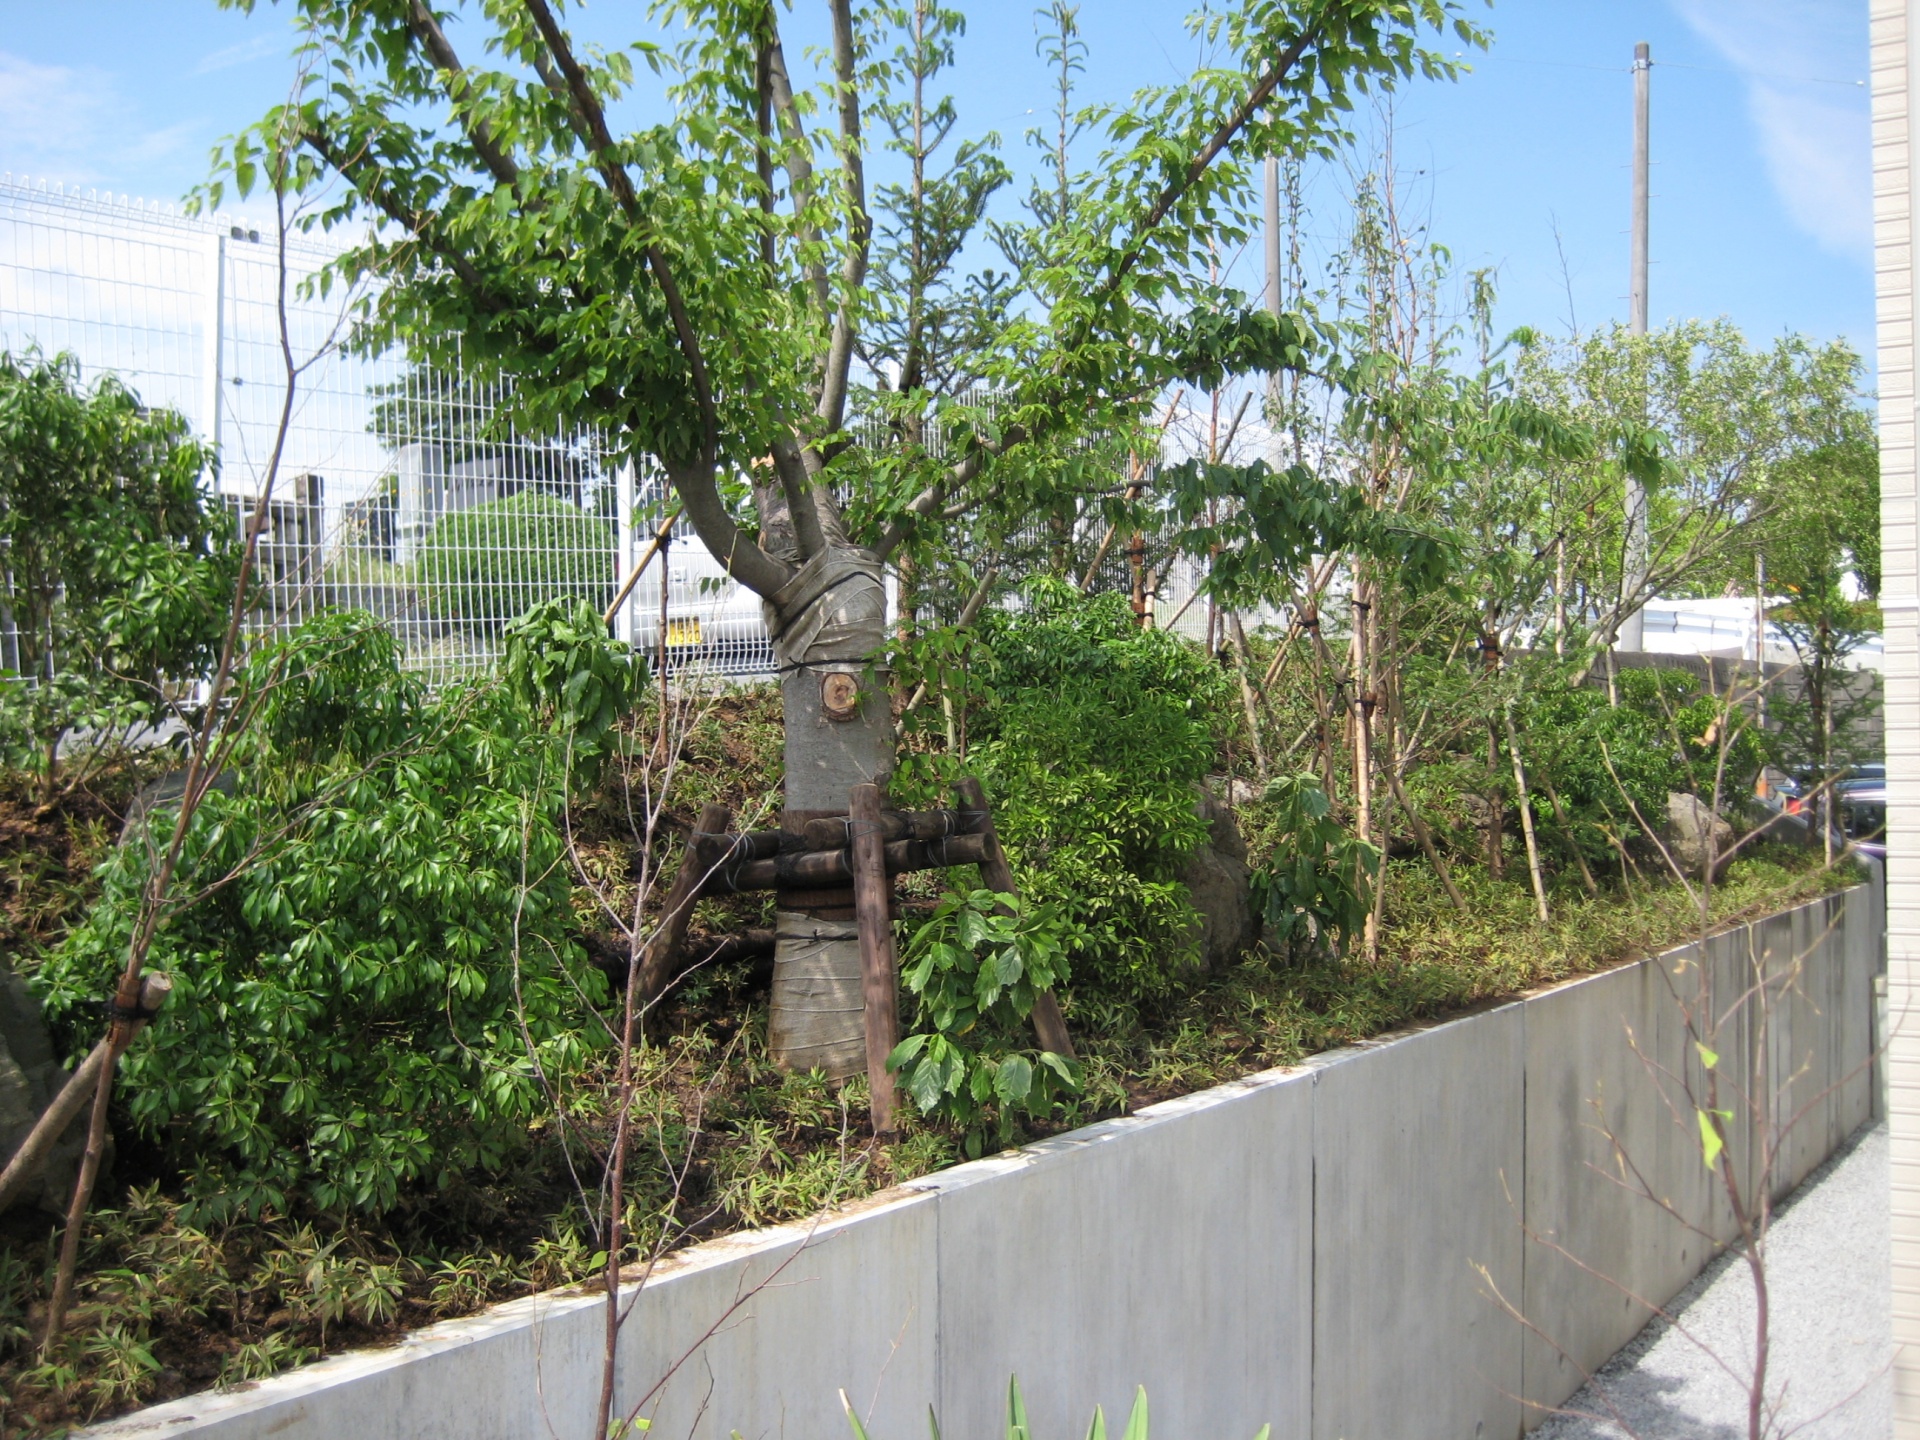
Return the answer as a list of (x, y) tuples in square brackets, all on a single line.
[(1317, 1248)]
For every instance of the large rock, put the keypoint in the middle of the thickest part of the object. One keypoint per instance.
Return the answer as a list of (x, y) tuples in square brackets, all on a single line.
[(1690, 821), (29, 1079), (1217, 877)]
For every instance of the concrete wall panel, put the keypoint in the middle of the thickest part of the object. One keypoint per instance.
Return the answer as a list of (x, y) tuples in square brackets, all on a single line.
[(794, 1313), (1854, 1019), (1418, 1181), (1602, 1248), (1171, 1249), (762, 1341), (1802, 999)]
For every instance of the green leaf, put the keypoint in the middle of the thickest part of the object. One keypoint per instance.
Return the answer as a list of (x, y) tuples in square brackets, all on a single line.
[(1710, 1142), (1013, 1080), (859, 1430)]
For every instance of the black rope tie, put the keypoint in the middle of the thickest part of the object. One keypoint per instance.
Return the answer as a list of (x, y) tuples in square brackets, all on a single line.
[(859, 662), (133, 1014)]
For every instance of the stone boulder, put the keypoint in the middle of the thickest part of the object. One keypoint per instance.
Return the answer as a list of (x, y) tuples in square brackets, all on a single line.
[(1217, 878), (30, 1077), (1690, 823)]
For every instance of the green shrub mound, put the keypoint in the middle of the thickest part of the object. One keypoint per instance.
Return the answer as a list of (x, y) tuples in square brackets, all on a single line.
[(1091, 737), (376, 980), (481, 567)]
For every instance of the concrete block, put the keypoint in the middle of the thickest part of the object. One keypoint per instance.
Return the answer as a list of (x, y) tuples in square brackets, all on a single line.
[(1620, 1208), (1171, 1249), (1418, 1180)]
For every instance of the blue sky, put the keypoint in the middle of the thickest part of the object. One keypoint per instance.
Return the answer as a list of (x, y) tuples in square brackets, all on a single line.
[(1761, 183)]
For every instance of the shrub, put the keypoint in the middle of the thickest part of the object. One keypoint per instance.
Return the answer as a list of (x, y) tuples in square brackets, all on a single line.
[(1091, 737), (120, 564), (481, 567), (374, 968), (1663, 736), (974, 969), (1315, 889)]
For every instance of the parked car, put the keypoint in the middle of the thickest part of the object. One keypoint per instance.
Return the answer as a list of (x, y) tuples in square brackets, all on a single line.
[(1859, 804), (1860, 809)]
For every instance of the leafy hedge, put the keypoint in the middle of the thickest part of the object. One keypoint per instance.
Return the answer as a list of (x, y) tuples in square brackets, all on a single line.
[(483, 566), (376, 975)]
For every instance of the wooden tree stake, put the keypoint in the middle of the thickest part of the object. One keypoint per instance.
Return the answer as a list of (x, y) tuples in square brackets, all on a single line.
[(872, 902), (1048, 1023)]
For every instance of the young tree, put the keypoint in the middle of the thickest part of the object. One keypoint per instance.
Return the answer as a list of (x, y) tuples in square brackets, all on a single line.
[(1722, 415), (118, 561), (699, 285), (1820, 547)]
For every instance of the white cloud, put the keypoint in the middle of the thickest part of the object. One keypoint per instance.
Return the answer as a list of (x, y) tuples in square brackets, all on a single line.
[(269, 46), (73, 125), (1814, 133)]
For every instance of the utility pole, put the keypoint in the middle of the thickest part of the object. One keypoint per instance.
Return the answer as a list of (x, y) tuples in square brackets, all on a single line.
[(1276, 447), (1631, 630)]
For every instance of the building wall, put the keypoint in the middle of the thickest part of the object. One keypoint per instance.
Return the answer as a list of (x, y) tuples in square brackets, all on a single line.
[(1895, 56)]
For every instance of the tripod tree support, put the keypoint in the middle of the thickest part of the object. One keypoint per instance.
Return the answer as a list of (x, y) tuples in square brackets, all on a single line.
[(867, 847), (705, 848), (873, 906)]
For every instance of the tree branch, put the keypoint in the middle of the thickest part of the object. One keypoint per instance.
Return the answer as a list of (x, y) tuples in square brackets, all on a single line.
[(796, 159), (930, 500), (697, 483), (1175, 189), (417, 223), (853, 269), (426, 29)]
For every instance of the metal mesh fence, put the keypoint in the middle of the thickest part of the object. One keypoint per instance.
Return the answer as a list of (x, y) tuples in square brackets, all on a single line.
[(401, 489)]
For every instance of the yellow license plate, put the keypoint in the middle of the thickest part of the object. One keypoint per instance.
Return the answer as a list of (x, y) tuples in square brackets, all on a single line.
[(683, 632)]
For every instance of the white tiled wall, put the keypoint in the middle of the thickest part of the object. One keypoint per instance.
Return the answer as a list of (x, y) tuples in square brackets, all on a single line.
[(1896, 54)]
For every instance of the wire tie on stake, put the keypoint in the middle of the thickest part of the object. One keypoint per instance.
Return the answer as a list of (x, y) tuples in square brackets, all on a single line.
[(135, 1014)]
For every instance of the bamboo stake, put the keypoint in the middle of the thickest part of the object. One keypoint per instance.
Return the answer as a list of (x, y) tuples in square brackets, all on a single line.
[(656, 961), (660, 538), (967, 614), (1425, 837), (1246, 696), (1133, 492), (73, 1096), (1566, 826), (1526, 819)]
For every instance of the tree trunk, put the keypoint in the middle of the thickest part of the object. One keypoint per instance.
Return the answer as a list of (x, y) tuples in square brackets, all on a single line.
[(827, 623)]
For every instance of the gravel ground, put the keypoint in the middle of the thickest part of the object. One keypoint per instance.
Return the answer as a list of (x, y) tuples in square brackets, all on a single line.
[(1830, 1375)]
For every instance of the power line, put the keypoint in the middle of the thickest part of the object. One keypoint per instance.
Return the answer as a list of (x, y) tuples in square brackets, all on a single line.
[(1764, 75), (1670, 65)]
